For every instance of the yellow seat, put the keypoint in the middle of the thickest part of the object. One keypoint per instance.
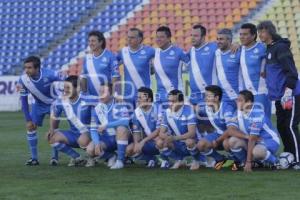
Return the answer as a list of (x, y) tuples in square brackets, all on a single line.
[(162, 20), (187, 19), (154, 13), (252, 4), (177, 6), (162, 7), (186, 13), (195, 20), (170, 7)]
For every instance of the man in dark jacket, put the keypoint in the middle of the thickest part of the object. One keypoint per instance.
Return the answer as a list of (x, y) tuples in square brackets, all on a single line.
[(283, 87)]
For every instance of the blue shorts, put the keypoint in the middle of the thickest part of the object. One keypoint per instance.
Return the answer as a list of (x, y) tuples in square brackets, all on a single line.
[(150, 148), (197, 98), (72, 137), (211, 137), (264, 103), (38, 112), (181, 149), (271, 145), (109, 141)]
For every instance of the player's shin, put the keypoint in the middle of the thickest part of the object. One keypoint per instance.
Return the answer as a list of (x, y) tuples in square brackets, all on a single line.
[(239, 154), (32, 143), (66, 149)]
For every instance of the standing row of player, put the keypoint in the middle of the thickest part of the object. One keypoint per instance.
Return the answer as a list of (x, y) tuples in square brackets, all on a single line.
[(209, 63)]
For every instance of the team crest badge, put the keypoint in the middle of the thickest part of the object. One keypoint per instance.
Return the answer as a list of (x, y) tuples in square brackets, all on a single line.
[(232, 56), (104, 59), (269, 56), (255, 50), (206, 48), (172, 53), (143, 52)]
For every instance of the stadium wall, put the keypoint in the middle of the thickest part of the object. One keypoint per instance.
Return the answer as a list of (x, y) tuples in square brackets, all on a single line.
[(9, 97)]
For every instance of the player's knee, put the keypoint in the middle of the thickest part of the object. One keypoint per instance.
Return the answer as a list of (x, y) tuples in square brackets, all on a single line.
[(129, 150), (259, 152), (90, 149), (235, 142), (122, 132), (83, 141), (190, 143), (226, 145), (202, 145), (159, 144)]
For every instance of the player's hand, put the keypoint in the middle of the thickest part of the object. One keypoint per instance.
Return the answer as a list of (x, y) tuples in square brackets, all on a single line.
[(49, 135), (30, 126), (214, 144), (101, 128), (169, 139), (248, 167), (287, 99), (138, 147), (235, 47), (98, 149)]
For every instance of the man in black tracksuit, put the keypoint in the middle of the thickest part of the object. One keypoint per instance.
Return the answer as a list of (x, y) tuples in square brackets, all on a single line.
[(283, 87)]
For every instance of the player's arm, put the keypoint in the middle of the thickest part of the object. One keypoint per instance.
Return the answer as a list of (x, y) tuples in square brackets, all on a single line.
[(251, 143), (115, 75), (285, 58), (25, 107), (190, 134), (83, 78), (94, 128), (55, 112)]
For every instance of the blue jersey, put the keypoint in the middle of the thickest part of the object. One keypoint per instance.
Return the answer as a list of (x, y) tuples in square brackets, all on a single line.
[(110, 115), (177, 123), (98, 70), (221, 119), (256, 123), (202, 67), (252, 64), (168, 72), (147, 121), (78, 113), (228, 73), (42, 89), (136, 69)]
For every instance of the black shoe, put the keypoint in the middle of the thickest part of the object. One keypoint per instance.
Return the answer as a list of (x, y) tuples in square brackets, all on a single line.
[(53, 162), (32, 162)]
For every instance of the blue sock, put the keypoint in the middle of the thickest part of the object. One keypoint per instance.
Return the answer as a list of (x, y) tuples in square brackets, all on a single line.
[(270, 158), (32, 143), (121, 145), (196, 154), (66, 149), (213, 153), (54, 154), (169, 153), (239, 154)]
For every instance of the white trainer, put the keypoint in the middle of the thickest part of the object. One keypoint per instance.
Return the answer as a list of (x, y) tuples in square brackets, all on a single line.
[(195, 165), (178, 164), (111, 161), (90, 162), (118, 165)]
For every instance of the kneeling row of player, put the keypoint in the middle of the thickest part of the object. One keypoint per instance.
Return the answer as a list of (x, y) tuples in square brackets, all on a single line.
[(173, 133)]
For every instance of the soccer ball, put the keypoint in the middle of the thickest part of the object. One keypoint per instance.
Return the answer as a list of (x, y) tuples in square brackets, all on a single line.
[(286, 159)]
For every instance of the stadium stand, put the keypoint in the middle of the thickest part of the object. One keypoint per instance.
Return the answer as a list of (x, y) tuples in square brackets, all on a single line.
[(286, 16), (28, 26)]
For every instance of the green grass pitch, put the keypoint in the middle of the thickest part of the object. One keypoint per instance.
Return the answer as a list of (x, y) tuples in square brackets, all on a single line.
[(134, 182)]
